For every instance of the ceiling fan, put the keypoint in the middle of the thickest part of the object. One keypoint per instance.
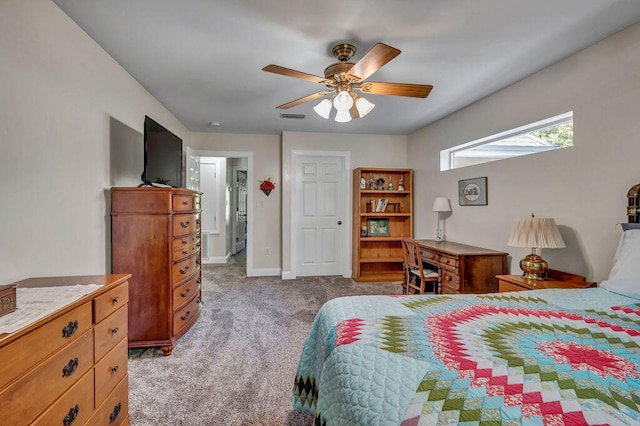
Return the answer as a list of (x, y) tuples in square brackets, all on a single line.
[(343, 78)]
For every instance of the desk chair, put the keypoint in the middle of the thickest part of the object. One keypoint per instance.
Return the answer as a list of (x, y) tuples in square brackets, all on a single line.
[(417, 279)]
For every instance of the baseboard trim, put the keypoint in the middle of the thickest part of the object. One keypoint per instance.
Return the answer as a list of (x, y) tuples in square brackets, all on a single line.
[(288, 275), (264, 272), (217, 260)]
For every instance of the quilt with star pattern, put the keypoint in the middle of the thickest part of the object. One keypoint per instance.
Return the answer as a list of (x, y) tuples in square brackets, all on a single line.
[(544, 357)]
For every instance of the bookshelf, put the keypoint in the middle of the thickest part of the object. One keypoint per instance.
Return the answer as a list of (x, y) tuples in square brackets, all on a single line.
[(376, 250)]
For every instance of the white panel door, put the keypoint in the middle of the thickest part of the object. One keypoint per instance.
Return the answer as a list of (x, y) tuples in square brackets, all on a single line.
[(319, 185)]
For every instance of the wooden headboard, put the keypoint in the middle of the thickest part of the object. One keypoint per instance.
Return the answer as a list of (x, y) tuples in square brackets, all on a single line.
[(633, 204)]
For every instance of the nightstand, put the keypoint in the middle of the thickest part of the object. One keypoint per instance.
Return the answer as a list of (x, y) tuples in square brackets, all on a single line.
[(555, 279)]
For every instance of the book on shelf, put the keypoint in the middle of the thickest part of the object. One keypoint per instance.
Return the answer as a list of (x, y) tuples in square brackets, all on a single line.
[(381, 206)]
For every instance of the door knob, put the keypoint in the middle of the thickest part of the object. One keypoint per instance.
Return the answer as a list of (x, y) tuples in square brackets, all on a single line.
[(339, 222)]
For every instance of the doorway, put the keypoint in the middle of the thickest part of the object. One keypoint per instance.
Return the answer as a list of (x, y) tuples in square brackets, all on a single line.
[(239, 209), (222, 245)]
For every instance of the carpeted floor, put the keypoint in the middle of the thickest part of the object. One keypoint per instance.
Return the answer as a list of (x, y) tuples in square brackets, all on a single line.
[(237, 363)]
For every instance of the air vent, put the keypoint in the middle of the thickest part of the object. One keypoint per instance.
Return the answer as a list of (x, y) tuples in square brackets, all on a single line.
[(293, 116)]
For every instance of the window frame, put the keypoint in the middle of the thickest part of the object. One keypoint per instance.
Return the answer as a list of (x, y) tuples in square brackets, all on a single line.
[(447, 155)]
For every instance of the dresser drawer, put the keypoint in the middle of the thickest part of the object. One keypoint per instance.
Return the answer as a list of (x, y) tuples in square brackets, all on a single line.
[(186, 291), (114, 410), (110, 331), (74, 407), (185, 251), (185, 241), (450, 282), (25, 399), (182, 203), (184, 224), (184, 269), (185, 316), (109, 302), (429, 256), (19, 356), (449, 262), (110, 370)]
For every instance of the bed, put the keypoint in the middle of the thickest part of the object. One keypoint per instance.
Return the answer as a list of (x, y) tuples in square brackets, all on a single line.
[(557, 356)]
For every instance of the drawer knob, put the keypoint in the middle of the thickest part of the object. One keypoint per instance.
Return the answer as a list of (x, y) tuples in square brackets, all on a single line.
[(115, 369), (70, 329), (448, 278), (185, 270), (71, 417), (185, 252), (115, 300), (185, 316), (115, 413), (184, 224), (70, 368), (114, 331), (185, 242), (185, 203), (185, 294)]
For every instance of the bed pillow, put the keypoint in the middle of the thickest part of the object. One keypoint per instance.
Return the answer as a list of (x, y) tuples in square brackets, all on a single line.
[(627, 226), (624, 277)]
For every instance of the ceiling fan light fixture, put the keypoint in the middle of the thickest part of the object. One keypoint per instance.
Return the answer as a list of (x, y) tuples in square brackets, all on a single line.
[(343, 101), (323, 109), (343, 116), (363, 106)]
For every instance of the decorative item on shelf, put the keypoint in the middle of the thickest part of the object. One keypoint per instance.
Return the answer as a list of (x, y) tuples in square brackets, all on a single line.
[(380, 184), (378, 227), (390, 184), (372, 182), (363, 231), (535, 232), (267, 186), (363, 183), (401, 183), (473, 192), (440, 205)]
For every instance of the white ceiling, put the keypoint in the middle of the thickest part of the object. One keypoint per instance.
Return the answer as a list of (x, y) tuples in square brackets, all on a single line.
[(202, 59)]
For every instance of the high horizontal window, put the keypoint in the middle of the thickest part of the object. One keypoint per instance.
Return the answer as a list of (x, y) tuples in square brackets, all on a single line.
[(552, 133)]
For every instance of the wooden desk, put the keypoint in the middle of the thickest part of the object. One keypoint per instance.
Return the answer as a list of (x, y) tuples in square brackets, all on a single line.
[(464, 268), (555, 279)]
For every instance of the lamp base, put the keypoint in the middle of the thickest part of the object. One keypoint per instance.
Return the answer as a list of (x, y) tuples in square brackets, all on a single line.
[(534, 267)]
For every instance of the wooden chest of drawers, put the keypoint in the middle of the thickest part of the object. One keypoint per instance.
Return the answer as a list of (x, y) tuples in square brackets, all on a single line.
[(464, 268), (69, 367), (155, 235)]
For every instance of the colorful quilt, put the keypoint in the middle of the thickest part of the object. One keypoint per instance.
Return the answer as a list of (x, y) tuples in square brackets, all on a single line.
[(546, 357)]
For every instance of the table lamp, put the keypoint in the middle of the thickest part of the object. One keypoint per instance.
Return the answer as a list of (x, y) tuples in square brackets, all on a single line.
[(440, 205), (535, 232)]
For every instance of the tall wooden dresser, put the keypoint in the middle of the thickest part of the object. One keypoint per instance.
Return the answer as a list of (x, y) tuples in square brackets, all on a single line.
[(68, 366), (155, 235)]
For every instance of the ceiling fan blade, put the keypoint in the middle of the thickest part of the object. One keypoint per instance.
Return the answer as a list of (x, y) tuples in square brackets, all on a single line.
[(304, 99), (373, 60), (277, 69), (395, 89)]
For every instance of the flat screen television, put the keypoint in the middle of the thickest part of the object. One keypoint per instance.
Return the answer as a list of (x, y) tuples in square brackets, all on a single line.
[(162, 156)]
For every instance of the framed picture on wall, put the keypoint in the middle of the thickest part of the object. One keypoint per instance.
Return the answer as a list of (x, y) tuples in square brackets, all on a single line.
[(378, 227), (473, 192)]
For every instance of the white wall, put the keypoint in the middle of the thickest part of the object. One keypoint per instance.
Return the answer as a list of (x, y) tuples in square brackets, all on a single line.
[(58, 93), (584, 188), (364, 151)]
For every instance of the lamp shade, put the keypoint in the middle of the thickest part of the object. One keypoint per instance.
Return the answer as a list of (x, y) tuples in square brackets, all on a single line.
[(343, 116), (323, 108), (364, 107), (441, 204), (535, 232), (343, 101)]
